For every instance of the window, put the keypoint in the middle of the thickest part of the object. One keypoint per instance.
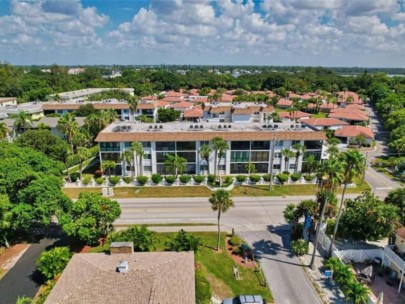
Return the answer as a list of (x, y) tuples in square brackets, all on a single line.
[(222, 113), (189, 156), (146, 144), (185, 145), (260, 145), (277, 167), (203, 167), (110, 146), (190, 169), (204, 143), (147, 156), (240, 156), (161, 156), (222, 167), (111, 156), (262, 167), (313, 144), (147, 168), (277, 155), (295, 142), (292, 166), (240, 145), (165, 146), (238, 168), (259, 156), (161, 169), (279, 143)]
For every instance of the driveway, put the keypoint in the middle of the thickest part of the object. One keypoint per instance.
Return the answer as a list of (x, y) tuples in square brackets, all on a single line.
[(285, 276)]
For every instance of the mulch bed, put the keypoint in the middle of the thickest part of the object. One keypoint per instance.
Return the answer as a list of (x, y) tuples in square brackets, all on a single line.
[(238, 259)]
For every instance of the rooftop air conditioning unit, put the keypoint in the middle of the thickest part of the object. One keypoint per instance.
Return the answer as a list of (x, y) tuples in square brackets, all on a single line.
[(122, 267)]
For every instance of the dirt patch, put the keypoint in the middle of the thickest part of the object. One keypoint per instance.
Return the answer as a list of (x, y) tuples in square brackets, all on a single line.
[(238, 259), (219, 288), (10, 256)]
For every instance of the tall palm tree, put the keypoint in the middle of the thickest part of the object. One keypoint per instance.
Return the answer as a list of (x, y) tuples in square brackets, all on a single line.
[(311, 164), (68, 125), (83, 154), (133, 104), (205, 152), (331, 174), (332, 146), (353, 164), (299, 150), (4, 130), (220, 146), (175, 163), (22, 121), (138, 150), (108, 116), (127, 157), (287, 153), (358, 293), (220, 201)]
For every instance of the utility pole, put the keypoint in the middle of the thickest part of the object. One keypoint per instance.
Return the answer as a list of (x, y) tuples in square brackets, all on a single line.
[(272, 160), (325, 200)]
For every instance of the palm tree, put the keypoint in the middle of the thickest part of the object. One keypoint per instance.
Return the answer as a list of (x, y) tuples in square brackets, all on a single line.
[(333, 149), (311, 164), (107, 117), (250, 168), (292, 111), (220, 201), (220, 146), (127, 157), (354, 164), (68, 125), (133, 104), (4, 130), (287, 153), (108, 165), (330, 174), (357, 292), (22, 121), (205, 152), (299, 149), (83, 154), (175, 163), (138, 150)]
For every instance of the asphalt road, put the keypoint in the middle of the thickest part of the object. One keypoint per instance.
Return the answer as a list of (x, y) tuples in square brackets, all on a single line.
[(22, 279)]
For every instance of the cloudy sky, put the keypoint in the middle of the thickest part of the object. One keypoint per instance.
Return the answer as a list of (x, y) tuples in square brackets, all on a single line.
[(258, 32)]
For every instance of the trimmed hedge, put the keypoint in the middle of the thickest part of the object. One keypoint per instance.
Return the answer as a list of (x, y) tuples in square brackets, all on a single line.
[(98, 173), (241, 178), (266, 177), (282, 178), (114, 180), (156, 178), (86, 180), (74, 176), (286, 172), (100, 180), (142, 180), (170, 179), (212, 178), (184, 178), (254, 178), (199, 178), (235, 241), (295, 176), (309, 178), (127, 179)]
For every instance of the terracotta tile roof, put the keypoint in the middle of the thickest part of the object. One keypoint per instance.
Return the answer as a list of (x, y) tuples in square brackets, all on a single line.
[(324, 122), (146, 106), (152, 278), (226, 98), (207, 136), (193, 92), (195, 112), (268, 109), (328, 106), (162, 103), (293, 95), (271, 94), (401, 233), (76, 106), (200, 99), (242, 111), (296, 114), (306, 96), (173, 99), (149, 97), (349, 115), (219, 109), (353, 131), (173, 94), (355, 107), (311, 106), (284, 102), (181, 105), (343, 95)]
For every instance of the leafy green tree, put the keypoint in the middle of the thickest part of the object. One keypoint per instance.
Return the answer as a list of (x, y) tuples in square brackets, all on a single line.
[(205, 153), (290, 214), (68, 125), (142, 237), (108, 165), (167, 115), (250, 168), (4, 130), (5, 218), (128, 157), (52, 262), (183, 241), (353, 165), (357, 293), (85, 110), (175, 163), (220, 201), (330, 174), (397, 198), (398, 145), (133, 104), (90, 217), (368, 218), (22, 121), (332, 146)]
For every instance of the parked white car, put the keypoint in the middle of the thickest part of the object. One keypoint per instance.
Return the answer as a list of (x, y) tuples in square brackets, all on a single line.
[(245, 299)]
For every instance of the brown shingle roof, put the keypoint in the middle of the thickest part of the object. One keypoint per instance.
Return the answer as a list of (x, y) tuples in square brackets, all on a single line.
[(207, 136), (181, 105), (353, 131), (152, 278), (354, 115), (284, 102), (324, 122)]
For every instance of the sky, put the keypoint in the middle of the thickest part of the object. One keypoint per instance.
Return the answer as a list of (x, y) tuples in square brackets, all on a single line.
[(365, 33)]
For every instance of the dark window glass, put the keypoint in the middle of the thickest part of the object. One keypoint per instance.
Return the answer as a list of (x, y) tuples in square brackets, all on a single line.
[(165, 146), (147, 156), (313, 144), (110, 146), (315, 153), (190, 169), (259, 156), (240, 145), (277, 167), (238, 168), (260, 145), (185, 146), (190, 156), (146, 144), (161, 156), (111, 156), (239, 156), (161, 169), (262, 168)]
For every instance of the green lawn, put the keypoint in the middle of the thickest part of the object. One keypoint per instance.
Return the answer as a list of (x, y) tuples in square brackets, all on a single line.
[(216, 268), (85, 164), (319, 115)]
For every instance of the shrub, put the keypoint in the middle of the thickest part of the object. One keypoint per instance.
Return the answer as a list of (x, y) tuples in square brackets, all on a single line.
[(241, 178), (296, 231), (227, 181), (266, 177), (286, 172), (183, 241), (114, 180), (282, 178), (254, 178), (142, 180), (235, 241), (127, 179), (86, 180), (212, 178), (299, 247), (295, 176), (309, 177), (74, 176), (143, 238), (156, 178), (98, 173), (185, 178), (199, 178), (52, 262), (170, 179), (100, 180)]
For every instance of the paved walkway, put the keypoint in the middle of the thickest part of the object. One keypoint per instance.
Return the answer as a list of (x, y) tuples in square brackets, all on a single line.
[(285, 276)]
